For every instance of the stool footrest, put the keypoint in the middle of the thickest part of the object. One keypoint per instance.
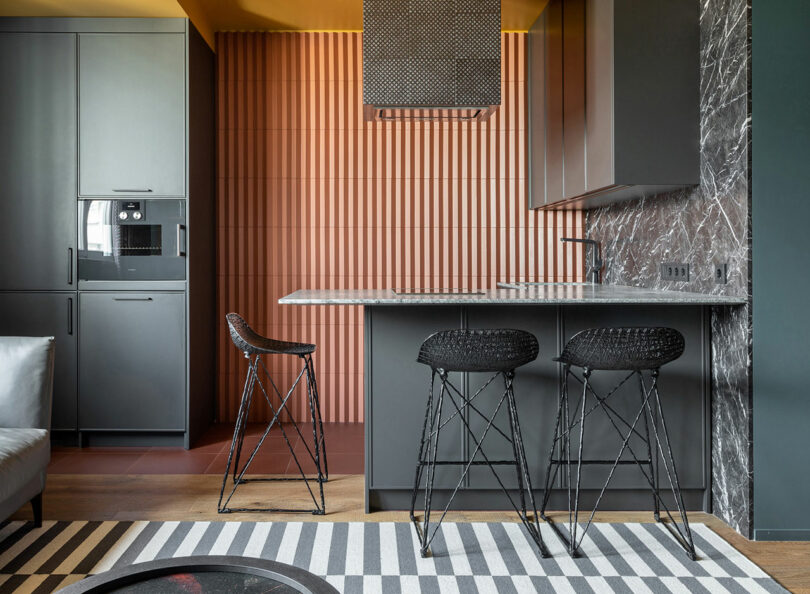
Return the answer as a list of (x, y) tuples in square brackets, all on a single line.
[(611, 462), (465, 462)]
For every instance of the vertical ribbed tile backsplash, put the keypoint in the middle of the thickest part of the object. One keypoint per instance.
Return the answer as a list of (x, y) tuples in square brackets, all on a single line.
[(311, 197)]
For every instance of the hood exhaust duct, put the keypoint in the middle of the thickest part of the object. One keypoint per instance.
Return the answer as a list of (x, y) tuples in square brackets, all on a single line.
[(431, 60)]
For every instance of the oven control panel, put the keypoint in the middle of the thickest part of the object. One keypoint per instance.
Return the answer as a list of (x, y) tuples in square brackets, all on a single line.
[(130, 210)]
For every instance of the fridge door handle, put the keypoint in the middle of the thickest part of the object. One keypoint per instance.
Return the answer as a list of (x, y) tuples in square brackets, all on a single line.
[(181, 246), (70, 316), (70, 266), (132, 299)]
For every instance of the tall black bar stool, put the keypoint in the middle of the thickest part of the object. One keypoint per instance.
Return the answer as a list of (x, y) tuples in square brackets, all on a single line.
[(499, 352), (254, 345), (635, 350)]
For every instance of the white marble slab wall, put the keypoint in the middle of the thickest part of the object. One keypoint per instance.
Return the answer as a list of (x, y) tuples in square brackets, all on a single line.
[(702, 225)]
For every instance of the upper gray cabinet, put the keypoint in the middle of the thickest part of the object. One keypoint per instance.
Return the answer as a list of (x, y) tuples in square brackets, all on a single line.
[(614, 101), (37, 160), (132, 114)]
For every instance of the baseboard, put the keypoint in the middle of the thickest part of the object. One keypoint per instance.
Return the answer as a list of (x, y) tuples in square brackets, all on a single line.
[(793, 534)]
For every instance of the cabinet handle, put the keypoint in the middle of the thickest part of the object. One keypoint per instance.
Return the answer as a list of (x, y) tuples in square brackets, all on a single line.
[(132, 299), (132, 190), (70, 266), (70, 316), (181, 252)]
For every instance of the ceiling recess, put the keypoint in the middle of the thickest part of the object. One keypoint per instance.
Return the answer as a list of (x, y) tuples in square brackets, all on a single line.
[(431, 59)]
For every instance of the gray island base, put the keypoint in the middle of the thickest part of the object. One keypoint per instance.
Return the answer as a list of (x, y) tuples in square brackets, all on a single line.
[(396, 389)]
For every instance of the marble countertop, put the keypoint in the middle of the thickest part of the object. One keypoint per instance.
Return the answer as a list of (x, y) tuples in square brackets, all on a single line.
[(536, 294)]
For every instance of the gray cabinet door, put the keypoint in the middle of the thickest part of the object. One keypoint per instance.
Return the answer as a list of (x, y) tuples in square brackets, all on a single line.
[(397, 392), (37, 160), (132, 361), (553, 56), (684, 396), (48, 314), (573, 98), (132, 114), (536, 385)]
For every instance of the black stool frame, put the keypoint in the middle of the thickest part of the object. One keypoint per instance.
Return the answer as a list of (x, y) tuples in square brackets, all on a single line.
[(429, 445), (317, 454), (652, 414)]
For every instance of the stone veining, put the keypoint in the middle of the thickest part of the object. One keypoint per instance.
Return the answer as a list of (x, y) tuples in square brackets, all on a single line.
[(701, 225)]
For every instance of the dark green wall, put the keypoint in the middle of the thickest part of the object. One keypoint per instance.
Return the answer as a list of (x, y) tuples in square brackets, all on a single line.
[(781, 268)]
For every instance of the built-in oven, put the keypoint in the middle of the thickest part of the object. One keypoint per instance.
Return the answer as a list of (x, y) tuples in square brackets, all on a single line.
[(132, 240)]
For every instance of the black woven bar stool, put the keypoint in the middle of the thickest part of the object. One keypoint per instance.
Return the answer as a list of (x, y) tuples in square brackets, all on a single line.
[(634, 350), (254, 346), (499, 352)]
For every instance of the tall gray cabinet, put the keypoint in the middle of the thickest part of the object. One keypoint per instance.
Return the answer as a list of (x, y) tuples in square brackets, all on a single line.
[(614, 101), (38, 127), (118, 109)]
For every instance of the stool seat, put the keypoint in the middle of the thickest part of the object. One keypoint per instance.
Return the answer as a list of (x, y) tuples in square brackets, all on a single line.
[(249, 341), (498, 350), (643, 348)]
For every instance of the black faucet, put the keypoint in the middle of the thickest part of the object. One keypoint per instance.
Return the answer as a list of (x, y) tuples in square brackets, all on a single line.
[(596, 262)]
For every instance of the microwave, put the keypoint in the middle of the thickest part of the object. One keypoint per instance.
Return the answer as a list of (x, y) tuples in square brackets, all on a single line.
[(132, 240)]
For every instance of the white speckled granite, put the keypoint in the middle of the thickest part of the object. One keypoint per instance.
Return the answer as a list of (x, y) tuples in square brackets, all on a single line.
[(551, 294)]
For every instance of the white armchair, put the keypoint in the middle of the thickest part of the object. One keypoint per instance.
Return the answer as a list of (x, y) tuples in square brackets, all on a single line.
[(26, 388)]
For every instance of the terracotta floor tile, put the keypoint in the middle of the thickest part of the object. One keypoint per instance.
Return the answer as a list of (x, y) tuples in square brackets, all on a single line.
[(94, 463), (344, 442), (261, 464), (172, 462), (339, 463)]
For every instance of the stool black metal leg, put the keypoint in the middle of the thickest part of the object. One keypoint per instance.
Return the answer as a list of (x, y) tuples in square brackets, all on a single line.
[(420, 461), (433, 450), (552, 467), (315, 437), (237, 433), (685, 538), (244, 415), (573, 548), (522, 469), (653, 461), (317, 397)]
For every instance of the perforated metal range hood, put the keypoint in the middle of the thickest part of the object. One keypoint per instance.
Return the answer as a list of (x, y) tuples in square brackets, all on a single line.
[(431, 59)]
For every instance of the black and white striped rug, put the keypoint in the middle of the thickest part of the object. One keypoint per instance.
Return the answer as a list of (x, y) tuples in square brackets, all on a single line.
[(383, 557)]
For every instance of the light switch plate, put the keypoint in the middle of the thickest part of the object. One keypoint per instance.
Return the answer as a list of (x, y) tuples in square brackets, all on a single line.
[(671, 271)]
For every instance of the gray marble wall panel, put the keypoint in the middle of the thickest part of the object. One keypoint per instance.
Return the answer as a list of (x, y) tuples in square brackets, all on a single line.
[(702, 225)]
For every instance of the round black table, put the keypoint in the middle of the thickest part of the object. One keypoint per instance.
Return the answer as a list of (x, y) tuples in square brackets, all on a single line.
[(203, 575)]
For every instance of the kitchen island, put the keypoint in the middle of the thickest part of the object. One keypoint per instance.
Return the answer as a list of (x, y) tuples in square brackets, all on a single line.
[(396, 385)]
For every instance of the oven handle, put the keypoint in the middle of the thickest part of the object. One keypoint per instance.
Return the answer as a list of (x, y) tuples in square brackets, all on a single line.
[(181, 251)]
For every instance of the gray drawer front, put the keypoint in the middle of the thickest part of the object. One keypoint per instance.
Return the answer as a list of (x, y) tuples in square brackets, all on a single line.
[(132, 361)]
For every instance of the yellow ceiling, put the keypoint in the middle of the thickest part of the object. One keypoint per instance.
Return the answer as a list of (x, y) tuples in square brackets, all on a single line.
[(246, 15)]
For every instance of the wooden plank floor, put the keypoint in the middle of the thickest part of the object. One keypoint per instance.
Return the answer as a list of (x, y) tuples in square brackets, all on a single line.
[(194, 497)]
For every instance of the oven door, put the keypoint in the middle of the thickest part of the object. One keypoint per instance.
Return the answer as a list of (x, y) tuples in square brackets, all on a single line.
[(132, 240)]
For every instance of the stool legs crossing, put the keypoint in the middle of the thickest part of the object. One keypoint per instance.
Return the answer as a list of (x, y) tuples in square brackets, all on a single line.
[(317, 454), (658, 446), (428, 456)]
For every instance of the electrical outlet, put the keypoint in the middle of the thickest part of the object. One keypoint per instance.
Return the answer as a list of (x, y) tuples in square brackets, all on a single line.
[(721, 273), (674, 272)]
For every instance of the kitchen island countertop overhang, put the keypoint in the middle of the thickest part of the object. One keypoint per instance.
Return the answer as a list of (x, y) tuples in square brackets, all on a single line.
[(550, 294)]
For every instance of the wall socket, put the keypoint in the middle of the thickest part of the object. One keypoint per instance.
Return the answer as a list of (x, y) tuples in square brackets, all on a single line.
[(674, 272), (721, 273)]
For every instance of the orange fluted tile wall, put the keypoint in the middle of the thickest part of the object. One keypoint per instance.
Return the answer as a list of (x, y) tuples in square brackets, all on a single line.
[(311, 197)]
